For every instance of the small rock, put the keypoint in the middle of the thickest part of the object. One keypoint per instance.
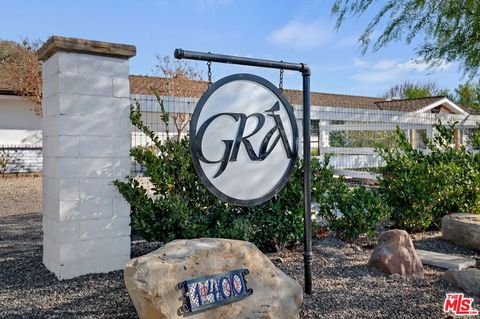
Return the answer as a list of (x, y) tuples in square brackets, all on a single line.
[(356, 248), (395, 254), (445, 260), (462, 229), (467, 279), (152, 280)]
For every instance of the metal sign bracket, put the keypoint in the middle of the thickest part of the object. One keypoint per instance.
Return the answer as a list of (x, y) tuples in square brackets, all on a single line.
[(306, 73)]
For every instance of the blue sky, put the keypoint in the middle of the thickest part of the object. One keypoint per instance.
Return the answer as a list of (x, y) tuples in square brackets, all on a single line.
[(296, 31)]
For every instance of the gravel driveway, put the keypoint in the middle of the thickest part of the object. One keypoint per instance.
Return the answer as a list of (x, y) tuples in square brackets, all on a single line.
[(343, 286)]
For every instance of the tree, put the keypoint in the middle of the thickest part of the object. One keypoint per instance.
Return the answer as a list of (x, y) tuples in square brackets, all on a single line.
[(448, 30), (6, 160), (468, 95), (179, 73), (410, 90), (21, 70), (178, 68)]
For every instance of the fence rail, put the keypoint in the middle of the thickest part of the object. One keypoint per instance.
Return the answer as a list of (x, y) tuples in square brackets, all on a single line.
[(349, 135), (20, 147)]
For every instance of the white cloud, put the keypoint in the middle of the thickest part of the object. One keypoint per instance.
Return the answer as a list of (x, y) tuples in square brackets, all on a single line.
[(302, 35), (420, 65), (386, 70), (385, 64), (359, 62)]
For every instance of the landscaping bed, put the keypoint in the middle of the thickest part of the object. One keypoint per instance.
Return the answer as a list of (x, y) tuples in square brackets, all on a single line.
[(344, 287)]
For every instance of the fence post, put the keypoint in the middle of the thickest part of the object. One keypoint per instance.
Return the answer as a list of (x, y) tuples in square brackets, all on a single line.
[(458, 138), (324, 136), (413, 137), (86, 140)]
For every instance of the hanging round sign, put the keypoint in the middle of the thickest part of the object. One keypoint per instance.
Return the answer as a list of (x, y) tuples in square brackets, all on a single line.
[(243, 139)]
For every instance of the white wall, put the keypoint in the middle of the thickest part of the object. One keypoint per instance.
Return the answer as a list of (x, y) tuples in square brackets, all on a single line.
[(20, 134), (17, 113), (19, 125)]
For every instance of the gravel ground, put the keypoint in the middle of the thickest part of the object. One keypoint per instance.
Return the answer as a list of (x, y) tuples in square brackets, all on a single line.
[(344, 287), (21, 195)]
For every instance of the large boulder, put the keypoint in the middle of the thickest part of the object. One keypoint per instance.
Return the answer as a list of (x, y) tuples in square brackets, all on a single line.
[(462, 229), (395, 254), (152, 280), (467, 279)]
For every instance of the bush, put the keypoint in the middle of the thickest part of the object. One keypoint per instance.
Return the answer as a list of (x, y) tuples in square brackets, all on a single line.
[(181, 207), (349, 211), (475, 138), (362, 211), (423, 186)]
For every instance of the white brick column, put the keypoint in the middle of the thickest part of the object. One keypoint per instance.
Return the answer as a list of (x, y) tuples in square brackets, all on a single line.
[(86, 140)]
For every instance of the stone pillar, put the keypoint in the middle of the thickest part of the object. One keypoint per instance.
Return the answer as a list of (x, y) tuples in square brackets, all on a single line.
[(86, 141)]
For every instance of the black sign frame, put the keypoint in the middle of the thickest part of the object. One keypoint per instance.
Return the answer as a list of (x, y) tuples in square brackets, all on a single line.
[(194, 146), (306, 72)]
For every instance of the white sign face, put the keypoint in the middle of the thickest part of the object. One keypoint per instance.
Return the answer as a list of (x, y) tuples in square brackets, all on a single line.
[(243, 139)]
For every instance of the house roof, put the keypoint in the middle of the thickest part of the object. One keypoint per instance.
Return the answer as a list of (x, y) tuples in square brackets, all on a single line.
[(177, 86), (5, 86), (470, 110), (334, 100), (408, 105), (185, 87), (182, 86)]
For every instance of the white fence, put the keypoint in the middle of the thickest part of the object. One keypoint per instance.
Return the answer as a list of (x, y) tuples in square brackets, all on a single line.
[(21, 158), (348, 135), (377, 124), (23, 149)]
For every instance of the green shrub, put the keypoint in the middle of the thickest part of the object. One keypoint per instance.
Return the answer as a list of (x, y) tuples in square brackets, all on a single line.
[(475, 138), (423, 186), (362, 211), (181, 207), (349, 211)]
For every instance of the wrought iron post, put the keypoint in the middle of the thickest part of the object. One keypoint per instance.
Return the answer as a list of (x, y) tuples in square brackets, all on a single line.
[(305, 70), (307, 237)]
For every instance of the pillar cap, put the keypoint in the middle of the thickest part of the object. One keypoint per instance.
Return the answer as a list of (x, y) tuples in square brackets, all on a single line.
[(63, 44)]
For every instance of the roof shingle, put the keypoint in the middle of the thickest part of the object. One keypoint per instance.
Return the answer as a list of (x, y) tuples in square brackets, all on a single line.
[(184, 87), (408, 105), (181, 86), (176, 86)]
